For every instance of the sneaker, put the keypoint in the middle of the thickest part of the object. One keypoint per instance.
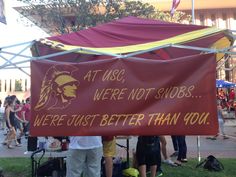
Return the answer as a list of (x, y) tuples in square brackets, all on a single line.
[(169, 162), (184, 160)]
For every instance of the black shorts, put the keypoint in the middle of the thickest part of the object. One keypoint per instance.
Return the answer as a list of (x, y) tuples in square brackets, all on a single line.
[(145, 157)]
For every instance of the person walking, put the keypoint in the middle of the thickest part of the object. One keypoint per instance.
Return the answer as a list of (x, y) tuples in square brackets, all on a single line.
[(11, 122), (221, 121)]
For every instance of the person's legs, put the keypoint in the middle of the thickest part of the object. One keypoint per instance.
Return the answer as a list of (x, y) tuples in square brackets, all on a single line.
[(175, 145), (153, 170), (74, 162), (163, 147), (180, 154), (109, 166), (166, 160), (184, 157), (222, 129), (142, 170), (93, 162), (182, 149), (11, 137), (109, 151), (159, 156)]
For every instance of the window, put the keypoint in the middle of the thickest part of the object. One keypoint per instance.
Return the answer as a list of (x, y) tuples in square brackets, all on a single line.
[(10, 88), (5, 86), (234, 16), (202, 19), (18, 85), (213, 20), (26, 85), (224, 18)]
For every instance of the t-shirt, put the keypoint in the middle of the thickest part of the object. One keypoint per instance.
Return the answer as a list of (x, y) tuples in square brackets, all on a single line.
[(26, 109), (85, 142), (232, 95), (19, 113)]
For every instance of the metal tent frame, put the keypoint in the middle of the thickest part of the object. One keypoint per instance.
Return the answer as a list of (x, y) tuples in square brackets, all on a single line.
[(9, 64), (27, 58)]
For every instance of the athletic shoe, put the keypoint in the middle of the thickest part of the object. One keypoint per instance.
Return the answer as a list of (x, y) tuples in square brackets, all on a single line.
[(169, 162)]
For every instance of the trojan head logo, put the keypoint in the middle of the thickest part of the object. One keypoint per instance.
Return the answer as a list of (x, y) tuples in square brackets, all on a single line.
[(58, 88)]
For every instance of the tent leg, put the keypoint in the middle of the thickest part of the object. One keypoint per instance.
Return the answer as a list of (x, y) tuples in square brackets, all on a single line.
[(198, 149)]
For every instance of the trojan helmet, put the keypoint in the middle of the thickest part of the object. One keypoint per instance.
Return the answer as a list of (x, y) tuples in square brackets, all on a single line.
[(56, 77)]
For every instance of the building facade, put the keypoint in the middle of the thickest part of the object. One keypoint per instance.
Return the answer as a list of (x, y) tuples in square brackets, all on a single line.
[(14, 82)]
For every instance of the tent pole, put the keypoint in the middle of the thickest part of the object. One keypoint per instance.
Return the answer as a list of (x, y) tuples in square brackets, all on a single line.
[(14, 65), (225, 60), (9, 60), (145, 51), (15, 45), (11, 53), (198, 137), (198, 149)]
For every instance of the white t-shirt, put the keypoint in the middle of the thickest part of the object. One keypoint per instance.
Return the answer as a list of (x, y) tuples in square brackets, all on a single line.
[(85, 142)]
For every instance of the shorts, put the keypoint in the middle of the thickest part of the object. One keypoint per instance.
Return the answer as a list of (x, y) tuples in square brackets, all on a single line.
[(146, 157), (109, 148), (18, 124)]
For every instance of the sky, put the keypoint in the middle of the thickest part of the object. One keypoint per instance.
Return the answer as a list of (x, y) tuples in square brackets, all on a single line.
[(15, 32)]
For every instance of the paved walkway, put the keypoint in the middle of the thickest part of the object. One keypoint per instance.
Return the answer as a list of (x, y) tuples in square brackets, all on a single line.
[(219, 148)]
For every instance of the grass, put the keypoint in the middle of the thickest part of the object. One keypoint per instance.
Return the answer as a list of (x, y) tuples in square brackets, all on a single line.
[(21, 167), (16, 167), (189, 170)]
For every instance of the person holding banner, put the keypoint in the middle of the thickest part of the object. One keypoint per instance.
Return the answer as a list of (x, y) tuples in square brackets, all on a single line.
[(84, 156)]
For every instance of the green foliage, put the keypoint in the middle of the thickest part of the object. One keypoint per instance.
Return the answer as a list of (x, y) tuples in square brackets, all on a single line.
[(64, 16), (18, 85)]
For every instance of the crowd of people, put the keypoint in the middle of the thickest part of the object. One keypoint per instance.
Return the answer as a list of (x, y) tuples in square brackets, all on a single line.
[(227, 99), (15, 118), (85, 154)]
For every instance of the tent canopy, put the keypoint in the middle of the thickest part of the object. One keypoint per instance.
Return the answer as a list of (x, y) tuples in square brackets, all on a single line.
[(224, 84), (139, 37)]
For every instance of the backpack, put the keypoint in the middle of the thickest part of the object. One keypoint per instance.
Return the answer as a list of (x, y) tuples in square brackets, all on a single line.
[(212, 164)]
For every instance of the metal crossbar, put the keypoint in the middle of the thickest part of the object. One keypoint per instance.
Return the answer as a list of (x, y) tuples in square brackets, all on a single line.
[(10, 63)]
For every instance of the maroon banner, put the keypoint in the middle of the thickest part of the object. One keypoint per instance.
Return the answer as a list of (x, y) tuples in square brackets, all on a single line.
[(124, 97)]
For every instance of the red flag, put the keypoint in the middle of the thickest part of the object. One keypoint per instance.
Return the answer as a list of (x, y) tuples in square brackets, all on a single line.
[(175, 4)]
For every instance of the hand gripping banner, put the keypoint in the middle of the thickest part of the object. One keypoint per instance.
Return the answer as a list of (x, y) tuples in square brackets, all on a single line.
[(124, 97)]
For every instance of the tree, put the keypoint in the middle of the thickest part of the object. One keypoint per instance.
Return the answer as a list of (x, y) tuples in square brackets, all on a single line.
[(18, 85), (64, 16)]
